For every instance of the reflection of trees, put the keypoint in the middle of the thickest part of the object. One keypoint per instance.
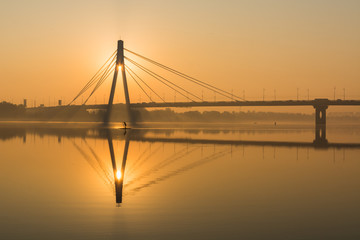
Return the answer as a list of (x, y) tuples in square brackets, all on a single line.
[(8, 133), (216, 116), (192, 131), (164, 135), (81, 113)]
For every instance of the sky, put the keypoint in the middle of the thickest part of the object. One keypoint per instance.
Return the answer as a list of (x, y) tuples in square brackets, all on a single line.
[(269, 49)]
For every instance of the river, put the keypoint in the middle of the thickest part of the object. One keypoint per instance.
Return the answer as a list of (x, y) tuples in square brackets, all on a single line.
[(184, 181)]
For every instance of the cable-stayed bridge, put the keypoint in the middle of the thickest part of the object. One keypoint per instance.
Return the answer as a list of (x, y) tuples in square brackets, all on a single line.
[(128, 67)]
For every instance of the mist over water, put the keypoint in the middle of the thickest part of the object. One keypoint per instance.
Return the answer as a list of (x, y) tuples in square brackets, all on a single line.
[(184, 181)]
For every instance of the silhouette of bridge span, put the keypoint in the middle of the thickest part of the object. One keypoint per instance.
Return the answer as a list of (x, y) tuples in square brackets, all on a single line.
[(287, 103), (320, 106), (116, 64)]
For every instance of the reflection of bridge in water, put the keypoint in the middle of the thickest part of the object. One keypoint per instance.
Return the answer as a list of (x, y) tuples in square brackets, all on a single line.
[(119, 181), (140, 135)]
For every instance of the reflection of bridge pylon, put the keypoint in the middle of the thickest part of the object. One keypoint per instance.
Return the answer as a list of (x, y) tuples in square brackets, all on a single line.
[(119, 174)]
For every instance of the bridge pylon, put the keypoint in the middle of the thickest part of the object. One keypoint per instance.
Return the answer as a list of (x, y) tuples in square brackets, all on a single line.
[(118, 66)]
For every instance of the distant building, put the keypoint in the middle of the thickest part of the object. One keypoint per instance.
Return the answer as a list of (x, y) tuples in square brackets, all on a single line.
[(60, 102), (25, 102)]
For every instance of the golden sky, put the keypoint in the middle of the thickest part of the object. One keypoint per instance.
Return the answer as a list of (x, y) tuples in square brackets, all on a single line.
[(50, 49)]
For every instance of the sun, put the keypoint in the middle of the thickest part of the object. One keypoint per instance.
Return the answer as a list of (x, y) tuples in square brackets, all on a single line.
[(118, 175)]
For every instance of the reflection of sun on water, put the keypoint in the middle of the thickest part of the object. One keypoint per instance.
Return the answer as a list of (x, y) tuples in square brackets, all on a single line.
[(118, 175)]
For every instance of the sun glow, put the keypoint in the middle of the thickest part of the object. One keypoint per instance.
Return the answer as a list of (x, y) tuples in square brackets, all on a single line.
[(118, 175), (119, 67)]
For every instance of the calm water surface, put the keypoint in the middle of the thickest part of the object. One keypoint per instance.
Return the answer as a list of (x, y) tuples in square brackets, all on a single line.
[(182, 182)]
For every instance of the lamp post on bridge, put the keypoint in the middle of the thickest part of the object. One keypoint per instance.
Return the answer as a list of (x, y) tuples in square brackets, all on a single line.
[(274, 94), (297, 94), (263, 94)]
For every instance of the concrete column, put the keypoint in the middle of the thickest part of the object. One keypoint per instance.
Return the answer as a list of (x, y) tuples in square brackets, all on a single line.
[(320, 124), (320, 114)]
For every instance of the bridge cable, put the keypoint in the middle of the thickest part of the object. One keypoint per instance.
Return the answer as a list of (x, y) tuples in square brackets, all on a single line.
[(138, 84), (100, 162), (183, 169), (144, 160), (102, 79), (176, 156), (90, 161), (136, 161), (127, 67), (93, 79), (156, 76), (98, 85), (100, 72), (106, 73), (185, 76)]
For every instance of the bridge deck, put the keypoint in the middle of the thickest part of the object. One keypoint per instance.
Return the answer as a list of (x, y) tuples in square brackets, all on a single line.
[(315, 102), (248, 103)]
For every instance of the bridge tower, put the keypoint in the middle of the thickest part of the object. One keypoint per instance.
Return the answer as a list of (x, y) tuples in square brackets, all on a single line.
[(119, 66)]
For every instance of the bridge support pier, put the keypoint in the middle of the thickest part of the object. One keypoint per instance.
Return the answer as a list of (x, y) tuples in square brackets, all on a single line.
[(320, 124), (320, 115)]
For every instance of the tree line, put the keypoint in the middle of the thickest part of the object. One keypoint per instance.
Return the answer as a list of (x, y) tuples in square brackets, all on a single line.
[(10, 112)]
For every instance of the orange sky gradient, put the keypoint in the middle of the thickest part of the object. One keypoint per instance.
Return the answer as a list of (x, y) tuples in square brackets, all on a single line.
[(50, 49)]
